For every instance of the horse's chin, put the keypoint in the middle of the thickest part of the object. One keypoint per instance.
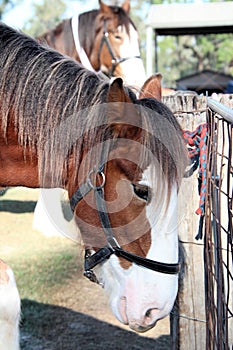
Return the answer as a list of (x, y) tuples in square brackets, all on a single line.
[(140, 329)]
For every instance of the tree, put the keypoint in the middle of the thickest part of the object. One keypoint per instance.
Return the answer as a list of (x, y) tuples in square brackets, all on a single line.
[(46, 15), (182, 55)]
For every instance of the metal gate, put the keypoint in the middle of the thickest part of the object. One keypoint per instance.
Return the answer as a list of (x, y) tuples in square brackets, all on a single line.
[(203, 315), (218, 241)]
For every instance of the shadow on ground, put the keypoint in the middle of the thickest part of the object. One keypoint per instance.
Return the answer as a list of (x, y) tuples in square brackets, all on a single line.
[(17, 207), (49, 327)]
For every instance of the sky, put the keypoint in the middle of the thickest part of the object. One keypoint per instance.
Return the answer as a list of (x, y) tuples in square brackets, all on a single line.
[(21, 13)]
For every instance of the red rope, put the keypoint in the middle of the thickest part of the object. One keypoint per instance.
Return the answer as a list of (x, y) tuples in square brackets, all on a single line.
[(197, 139)]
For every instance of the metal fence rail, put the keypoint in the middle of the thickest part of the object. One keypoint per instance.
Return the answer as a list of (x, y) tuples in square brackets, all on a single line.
[(218, 242)]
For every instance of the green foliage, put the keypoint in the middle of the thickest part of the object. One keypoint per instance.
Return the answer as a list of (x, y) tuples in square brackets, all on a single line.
[(46, 15), (183, 55)]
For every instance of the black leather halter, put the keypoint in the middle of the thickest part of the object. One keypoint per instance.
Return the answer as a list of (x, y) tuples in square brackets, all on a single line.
[(112, 246), (115, 60)]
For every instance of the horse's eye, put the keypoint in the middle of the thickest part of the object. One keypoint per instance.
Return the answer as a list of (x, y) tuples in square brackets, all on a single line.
[(142, 191), (118, 37)]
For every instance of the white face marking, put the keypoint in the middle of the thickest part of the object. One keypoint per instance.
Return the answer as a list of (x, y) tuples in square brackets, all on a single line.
[(133, 72), (136, 290), (163, 218)]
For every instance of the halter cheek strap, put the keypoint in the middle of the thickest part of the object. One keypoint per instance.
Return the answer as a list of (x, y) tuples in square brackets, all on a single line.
[(112, 246)]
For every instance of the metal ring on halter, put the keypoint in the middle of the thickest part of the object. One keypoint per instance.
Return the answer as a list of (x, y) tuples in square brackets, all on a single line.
[(99, 173)]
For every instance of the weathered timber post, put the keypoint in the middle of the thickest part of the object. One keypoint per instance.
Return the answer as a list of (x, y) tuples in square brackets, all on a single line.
[(188, 329)]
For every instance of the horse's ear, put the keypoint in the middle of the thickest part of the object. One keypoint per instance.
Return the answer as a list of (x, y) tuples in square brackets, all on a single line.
[(126, 6), (121, 110), (116, 92), (103, 7), (152, 87)]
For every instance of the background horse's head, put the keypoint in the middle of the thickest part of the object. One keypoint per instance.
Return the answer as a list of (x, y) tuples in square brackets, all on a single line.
[(116, 46), (102, 40)]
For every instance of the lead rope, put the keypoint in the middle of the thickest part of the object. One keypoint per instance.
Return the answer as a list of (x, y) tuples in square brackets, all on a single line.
[(197, 139)]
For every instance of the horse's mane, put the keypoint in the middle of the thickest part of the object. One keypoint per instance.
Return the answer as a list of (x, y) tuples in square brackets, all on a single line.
[(45, 91), (58, 106)]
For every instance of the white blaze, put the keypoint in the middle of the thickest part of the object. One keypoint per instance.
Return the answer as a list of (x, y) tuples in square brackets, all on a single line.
[(133, 71), (139, 296)]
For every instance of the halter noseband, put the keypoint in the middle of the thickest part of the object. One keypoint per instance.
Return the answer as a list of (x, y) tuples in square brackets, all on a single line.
[(112, 246), (115, 60)]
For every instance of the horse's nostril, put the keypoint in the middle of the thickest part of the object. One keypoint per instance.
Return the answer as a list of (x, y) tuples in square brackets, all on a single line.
[(151, 315), (122, 309), (148, 313)]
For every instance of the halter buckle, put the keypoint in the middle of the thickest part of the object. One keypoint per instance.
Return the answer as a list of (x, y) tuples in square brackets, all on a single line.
[(91, 276), (99, 174)]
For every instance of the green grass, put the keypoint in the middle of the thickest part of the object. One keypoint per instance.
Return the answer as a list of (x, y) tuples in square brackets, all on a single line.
[(48, 273), (40, 264), (36, 275)]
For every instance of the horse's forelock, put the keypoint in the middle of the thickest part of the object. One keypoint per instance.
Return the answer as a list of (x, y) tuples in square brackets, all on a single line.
[(123, 19), (87, 20), (162, 136)]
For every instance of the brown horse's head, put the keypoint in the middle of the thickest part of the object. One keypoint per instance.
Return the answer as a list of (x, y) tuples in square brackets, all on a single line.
[(112, 43), (102, 40), (126, 203)]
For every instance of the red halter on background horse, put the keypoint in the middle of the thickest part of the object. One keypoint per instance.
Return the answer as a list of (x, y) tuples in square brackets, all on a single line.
[(102, 40), (62, 126)]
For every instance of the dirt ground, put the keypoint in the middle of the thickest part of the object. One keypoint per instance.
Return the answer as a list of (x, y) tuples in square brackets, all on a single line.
[(78, 316)]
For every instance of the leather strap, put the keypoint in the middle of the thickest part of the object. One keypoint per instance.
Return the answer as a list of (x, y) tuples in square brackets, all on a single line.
[(112, 246), (104, 253), (81, 192)]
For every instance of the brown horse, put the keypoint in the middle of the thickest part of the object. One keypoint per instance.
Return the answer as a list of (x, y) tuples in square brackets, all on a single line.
[(102, 40), (121, 160)]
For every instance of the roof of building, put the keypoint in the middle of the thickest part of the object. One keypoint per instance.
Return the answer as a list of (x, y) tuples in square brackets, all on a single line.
[(207, 79), (194, 18)]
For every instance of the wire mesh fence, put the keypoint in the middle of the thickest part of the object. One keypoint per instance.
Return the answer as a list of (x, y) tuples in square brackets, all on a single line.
[(203, 314), (218, 241)]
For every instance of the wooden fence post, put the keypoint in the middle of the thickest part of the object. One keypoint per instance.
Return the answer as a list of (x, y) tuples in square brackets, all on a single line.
[(188, 329)]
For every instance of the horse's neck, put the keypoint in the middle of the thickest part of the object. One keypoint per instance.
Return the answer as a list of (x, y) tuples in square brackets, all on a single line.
[(65, 39), (61, 39), (18, 166), (80, 50)]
